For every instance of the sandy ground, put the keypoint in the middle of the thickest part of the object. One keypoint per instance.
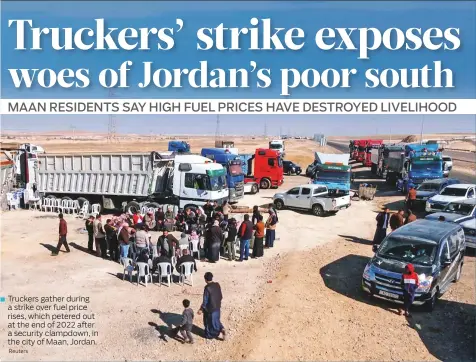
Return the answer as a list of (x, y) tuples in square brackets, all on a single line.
[(300, 302)]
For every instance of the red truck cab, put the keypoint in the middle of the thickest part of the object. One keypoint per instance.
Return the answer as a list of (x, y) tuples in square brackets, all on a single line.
[(267, 168), (370, 145), (361, 150)]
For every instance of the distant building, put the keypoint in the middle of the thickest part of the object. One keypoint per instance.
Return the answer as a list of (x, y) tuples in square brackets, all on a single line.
[(320, 138)]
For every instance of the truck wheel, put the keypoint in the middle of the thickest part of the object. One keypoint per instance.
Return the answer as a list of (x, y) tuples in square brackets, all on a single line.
[(66, 198), (265, 184), (51, 197), (298, 172), (254, 189), (317, 210), (153, 205), (279, 204), (81, 201), (132, 207)]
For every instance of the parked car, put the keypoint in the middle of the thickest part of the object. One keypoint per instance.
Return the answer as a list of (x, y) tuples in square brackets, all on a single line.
[(449, 194), (431, 188), (447, 165), (436, 250), (314, 197), (463, 213), (290, 168)]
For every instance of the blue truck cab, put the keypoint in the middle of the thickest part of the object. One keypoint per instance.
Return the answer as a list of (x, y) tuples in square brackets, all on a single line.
[(420, 162), (179, 146), (234, 172)]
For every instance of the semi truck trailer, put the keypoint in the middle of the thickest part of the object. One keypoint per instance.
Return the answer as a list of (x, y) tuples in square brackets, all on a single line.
[(126, 181)]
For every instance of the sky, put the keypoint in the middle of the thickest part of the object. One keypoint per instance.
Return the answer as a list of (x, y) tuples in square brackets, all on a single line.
[(307, 15), (299, 125)]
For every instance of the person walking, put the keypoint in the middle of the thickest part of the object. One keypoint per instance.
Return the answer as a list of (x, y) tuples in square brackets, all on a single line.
[(410, 217), (186, 325), (411, 197), (410, 285), (100, 237), (246, 233), (89, 228), (259, 236), (382, 226), (63, 231), (211, 307), (271, 228)]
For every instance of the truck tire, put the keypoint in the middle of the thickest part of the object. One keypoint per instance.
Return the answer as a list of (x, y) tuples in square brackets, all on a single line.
[(279, 204), (373, 168), (265, 184), (298, 172), (153, 205), (51, 197), (254, 189), (81, 201), (430, 305), (132, 207), (317, 210), (66, 198)]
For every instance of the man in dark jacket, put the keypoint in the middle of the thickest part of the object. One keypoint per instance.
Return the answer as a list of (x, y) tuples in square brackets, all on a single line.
[(111, 237), (90, 229), (210, 308), (230, 239), (185, 258), (246, 233), (208, 209), (63, 231), (214, 243), (167, 243), (382, 226)]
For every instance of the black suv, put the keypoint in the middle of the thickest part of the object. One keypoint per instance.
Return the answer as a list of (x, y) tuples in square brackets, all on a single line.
[(290, 168), (436, 250)]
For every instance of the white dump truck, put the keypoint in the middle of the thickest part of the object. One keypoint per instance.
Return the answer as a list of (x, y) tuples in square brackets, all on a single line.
[(127, 181)]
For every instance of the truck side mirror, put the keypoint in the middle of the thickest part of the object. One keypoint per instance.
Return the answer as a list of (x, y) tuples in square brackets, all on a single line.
[(185, 167)]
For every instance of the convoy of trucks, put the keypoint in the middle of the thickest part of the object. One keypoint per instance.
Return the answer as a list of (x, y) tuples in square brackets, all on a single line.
[(234, 173)]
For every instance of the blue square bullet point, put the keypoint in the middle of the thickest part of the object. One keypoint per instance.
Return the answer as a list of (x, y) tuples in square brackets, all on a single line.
[(2, 299)]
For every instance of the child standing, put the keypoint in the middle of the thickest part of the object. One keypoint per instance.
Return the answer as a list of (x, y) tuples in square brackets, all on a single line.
[(410, 285), (186, 325)]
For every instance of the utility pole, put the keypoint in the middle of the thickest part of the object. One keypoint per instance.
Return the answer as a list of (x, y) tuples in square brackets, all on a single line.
[(421, 130), (73, 131)]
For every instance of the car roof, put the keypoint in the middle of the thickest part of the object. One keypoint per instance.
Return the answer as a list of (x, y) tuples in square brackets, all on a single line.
[(465, 202), (423, 229), (439, 180), (461, 186)]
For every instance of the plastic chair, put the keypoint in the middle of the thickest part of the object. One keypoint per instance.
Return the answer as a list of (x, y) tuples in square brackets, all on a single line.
[(58, 205), (128, 267), (174, 260), (186, 272), (195, 247), (143, 271), (95, 208), (84, 211), (182, 248), (143, 210), (46, 203), (165, 271), (74, 206)]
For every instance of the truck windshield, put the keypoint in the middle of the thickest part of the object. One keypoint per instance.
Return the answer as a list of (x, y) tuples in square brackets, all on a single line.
[(275, 146), (331, 175), (428, 187), (217, 183), (235, 170), (462, 209), (425, 166), (408, 251)]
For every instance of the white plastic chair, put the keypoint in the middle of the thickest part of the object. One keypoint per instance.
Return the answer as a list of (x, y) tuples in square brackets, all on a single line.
[(45, 204), (165, 271), (143, 210), (174, 260), (95, 208), (84, 211), (182, 248), (128, 268), (74, 206), (143, 272), (64, 206), (152, 210), (57, 205), (186, 272), (195, 247)]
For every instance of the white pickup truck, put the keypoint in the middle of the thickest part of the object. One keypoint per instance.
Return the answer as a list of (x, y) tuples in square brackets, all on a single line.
[(314, 197)]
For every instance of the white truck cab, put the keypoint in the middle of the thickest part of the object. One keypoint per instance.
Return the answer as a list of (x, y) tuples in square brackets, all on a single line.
[(277, 145)]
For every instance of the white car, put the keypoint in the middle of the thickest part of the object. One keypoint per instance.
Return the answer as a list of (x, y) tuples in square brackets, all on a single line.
[(313, 197), (449, 194)]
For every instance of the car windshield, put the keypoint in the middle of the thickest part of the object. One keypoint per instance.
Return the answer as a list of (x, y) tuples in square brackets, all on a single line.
[(428, 187), (454, 191), (275, 146), (217, 183), (408, 251), (462, 209)]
